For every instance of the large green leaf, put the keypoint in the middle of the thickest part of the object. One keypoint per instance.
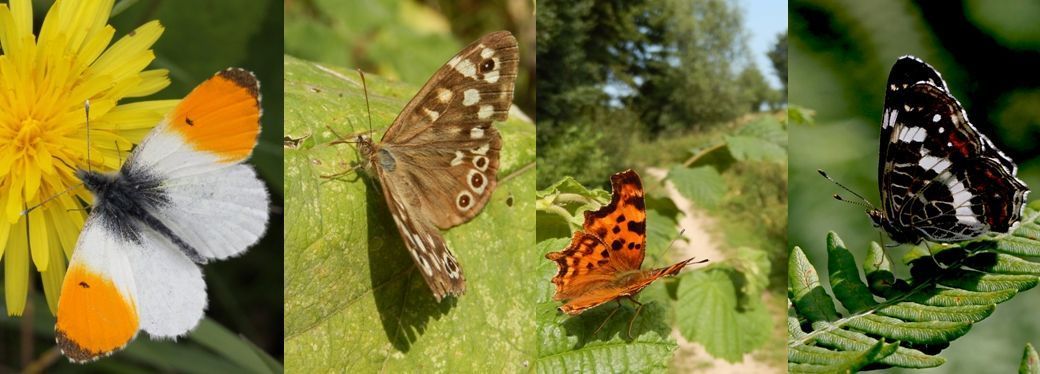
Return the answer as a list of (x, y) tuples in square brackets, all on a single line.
[(765, 139), (704, 185), (353, 298), (709, 312), (749, 148)]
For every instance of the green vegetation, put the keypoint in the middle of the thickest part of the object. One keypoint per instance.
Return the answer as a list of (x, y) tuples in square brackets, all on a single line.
[(841, 53), (612, 72), (948, 292), (719, 306)]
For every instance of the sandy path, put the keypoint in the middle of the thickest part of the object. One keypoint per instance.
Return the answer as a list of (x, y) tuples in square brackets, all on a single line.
[(691, 357)]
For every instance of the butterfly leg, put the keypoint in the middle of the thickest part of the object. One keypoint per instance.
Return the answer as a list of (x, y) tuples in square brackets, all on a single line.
[(337, 175), (608, 318), (339, 139), (639, 308), (932, 254)]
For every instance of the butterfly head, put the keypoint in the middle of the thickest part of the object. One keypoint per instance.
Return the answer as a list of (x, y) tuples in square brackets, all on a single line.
[(877, 217), (98, 183), (364, 144)]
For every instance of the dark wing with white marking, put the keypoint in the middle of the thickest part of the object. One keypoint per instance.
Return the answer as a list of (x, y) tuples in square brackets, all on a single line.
[(938, 175)]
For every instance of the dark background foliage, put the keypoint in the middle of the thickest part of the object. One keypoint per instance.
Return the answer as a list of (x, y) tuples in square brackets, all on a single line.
[(842, 52)]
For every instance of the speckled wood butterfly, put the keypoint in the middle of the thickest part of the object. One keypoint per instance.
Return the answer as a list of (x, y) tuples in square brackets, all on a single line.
[(438, 161)]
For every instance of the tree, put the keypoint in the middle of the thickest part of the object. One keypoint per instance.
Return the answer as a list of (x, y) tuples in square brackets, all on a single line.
[(778, 56), (691, 82), (757, 92)]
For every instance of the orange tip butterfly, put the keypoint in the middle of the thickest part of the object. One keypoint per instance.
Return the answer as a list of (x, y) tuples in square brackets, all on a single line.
[(181, 199)]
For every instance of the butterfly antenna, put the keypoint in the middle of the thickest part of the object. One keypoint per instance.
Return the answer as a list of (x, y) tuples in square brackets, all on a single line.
[(864, 203), (364, 85), (340, 138), (674, 239), (86, 110)]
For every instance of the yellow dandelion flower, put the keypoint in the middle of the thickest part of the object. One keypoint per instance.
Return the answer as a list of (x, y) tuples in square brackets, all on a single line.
[(44, 82)]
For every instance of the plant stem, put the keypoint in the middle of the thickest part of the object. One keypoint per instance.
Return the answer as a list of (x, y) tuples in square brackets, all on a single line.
[(46, 360), (702, 153)]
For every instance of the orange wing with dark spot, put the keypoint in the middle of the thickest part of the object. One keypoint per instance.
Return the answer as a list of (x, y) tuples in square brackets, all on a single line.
[(221, 115), (621, 225), (582, 265), (592, 296), (603, 261)]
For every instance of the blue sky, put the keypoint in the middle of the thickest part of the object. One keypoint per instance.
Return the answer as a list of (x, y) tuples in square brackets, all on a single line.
[(764, 19)]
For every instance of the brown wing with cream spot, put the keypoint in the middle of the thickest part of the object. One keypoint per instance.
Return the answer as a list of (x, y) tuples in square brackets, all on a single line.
[(471, 90), (444, 140)]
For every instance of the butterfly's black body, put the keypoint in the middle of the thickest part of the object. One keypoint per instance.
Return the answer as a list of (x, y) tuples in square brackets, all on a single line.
[(123, 201), (941, 180)]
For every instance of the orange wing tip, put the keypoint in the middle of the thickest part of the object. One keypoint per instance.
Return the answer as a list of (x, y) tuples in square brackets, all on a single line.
[(221, 115), (94, 317)]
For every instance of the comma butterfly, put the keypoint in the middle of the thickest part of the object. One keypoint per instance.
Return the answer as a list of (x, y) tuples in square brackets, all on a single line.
[(603, 261)]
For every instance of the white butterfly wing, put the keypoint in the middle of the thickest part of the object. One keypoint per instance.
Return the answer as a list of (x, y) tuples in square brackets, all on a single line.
[(98, 310), (219, 213), (215, 205), (171, 294)]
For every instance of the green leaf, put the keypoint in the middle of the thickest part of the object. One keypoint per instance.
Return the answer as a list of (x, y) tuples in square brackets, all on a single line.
[(819, 360), (353, 298), (660, 231), (766, 128), (800, 115), (803, 282), (844, 276), (240, 351), (704, 185), (560, 207), (754, 267), (930, 310), (403, 40), (567, 343), (708, 312), (1030, 361), (746, 148)]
